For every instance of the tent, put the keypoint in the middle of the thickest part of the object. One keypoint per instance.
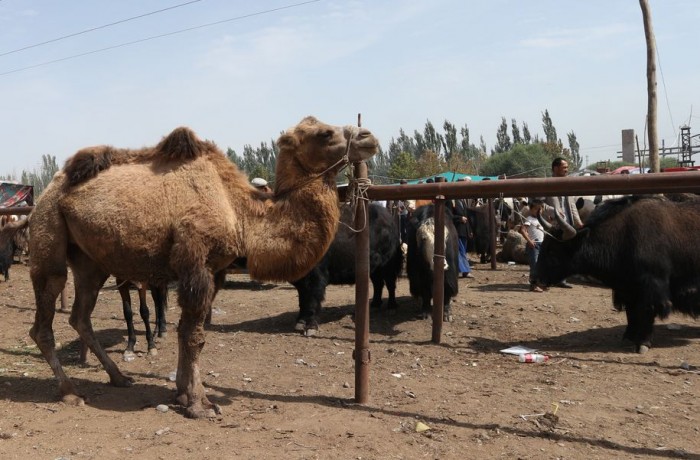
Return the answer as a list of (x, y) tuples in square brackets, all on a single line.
[(12, 194)]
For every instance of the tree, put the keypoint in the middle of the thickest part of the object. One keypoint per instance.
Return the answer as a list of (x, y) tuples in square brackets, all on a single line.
[(502, 139), (404, 166), (433, 139), (522, 160), (550, 133), (527, 138), (40, 179), (430, 163), (449, 140), (379, 166), (574, 151), (516, 132)]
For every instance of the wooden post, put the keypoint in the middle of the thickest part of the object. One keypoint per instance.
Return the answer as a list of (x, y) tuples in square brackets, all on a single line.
[(439, 265), (654, 162), (361, 353), (492, 231)]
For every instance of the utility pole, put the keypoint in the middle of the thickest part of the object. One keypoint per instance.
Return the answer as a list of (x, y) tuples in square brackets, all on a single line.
[(654, 163)]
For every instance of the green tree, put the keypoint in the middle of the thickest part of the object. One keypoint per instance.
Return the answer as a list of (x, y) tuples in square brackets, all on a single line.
[(502, 139), (527, 138), (574, 151), (516, 132), (523, 160), (404, 166), (40, 179), (449, 141), (550, 132), (379, 168), (433, 140)]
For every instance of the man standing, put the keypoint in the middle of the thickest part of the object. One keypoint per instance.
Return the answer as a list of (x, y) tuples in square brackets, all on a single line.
[(567, 206), (464, 232)]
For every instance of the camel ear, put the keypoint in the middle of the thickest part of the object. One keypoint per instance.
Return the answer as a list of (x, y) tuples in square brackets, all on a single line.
[(288, 141)]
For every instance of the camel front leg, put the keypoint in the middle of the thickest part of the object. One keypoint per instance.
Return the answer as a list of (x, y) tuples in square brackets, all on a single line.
[(196, 292)]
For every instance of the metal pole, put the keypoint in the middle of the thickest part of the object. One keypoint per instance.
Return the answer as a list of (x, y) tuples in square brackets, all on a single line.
[(438, 265), (361, 353)]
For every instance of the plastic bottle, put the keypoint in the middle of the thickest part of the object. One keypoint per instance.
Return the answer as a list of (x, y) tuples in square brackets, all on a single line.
[(533, 358)]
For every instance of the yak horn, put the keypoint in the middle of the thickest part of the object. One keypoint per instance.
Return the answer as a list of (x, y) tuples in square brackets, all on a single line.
[(546, 225), (569, 231)]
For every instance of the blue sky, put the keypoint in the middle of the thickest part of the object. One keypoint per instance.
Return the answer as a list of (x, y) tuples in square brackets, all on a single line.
[(398, 62)]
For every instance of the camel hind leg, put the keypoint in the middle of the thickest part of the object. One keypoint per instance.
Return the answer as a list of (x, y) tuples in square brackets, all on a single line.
[(89, 279), (48, 285)]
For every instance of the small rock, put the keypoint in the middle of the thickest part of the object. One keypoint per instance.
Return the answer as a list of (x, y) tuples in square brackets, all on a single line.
[(163, 431), (162, 408), (346, 385), (172, 376), (685, 366)]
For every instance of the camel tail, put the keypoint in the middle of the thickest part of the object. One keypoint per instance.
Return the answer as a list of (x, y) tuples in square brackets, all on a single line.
[(181, 144), (87, 163)]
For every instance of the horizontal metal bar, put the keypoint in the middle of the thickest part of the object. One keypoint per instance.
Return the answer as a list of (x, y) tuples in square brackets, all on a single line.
[(618, 184)]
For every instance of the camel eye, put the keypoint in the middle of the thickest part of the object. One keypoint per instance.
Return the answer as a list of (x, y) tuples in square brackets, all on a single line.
[(326, 134)]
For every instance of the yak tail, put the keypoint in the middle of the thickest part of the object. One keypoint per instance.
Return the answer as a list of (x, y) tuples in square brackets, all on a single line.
[(181, 144), (87, 163)]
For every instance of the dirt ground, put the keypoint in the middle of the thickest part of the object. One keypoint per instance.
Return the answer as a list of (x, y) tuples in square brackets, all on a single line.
[(287, 396)]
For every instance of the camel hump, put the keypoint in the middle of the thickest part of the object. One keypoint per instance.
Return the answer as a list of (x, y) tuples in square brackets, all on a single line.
[(87, 163), (181, 144)]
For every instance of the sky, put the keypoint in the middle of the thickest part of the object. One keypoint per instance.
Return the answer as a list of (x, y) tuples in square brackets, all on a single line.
[(86, 72)]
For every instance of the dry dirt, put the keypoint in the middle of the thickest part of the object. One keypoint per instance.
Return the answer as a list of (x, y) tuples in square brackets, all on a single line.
[(287, 396)]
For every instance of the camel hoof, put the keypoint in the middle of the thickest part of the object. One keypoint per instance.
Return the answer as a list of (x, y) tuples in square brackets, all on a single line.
[(300, 326), (212, 411), (642, 349), (310, 332), (122, 381), (153, 352), (447, 318), (128, 356), (73, 400)]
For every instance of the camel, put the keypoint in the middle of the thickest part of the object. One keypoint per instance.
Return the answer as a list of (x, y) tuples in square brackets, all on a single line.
[(181, 211)]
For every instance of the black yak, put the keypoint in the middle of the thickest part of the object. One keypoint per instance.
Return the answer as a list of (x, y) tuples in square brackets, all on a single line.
[(338, 265), (644, 248), (419, 260), (8, 244)]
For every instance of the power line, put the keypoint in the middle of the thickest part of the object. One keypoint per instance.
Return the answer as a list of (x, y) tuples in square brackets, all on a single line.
[(663, 81), (189, 29), (121, 21)]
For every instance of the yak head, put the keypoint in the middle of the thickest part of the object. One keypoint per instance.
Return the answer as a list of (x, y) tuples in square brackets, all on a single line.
[(559, 248)]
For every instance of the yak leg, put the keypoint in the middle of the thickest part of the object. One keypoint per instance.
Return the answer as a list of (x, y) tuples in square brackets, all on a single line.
[(160, 300), (390, 281), (377, 286), (146, 317), (123, 287), (47, 288), (311, 290)]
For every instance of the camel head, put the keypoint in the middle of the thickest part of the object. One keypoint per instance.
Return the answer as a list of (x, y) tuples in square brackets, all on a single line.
[(316, 146)]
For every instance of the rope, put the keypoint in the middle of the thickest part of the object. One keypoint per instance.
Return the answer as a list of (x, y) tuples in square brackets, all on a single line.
[(358, 196)]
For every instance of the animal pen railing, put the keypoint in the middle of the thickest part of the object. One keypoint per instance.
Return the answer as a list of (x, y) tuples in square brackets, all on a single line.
[(442, 191)]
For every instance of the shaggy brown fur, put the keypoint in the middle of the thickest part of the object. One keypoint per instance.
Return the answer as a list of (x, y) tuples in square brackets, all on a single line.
[(181, 211)]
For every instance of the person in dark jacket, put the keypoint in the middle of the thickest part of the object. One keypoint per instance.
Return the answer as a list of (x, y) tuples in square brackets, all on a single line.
[(464, 232)]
